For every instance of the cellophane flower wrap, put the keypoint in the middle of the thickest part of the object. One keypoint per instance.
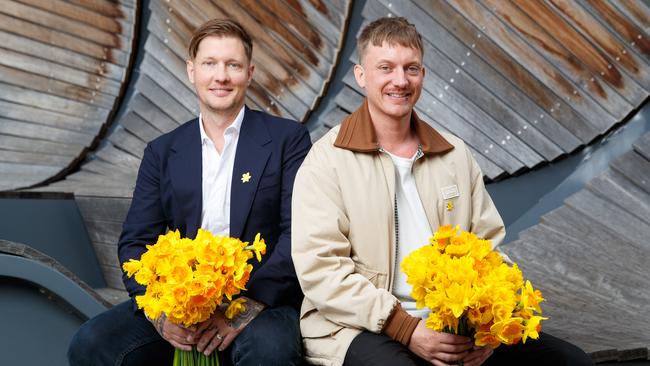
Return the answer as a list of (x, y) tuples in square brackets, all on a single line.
[(188, 279), (471, 291)]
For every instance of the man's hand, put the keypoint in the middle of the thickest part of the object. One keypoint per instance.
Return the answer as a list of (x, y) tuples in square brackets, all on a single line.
[(220, 332), (477, 356), (177, 335), (441, 349)]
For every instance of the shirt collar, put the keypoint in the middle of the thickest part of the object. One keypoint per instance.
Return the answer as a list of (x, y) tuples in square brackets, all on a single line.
[(235, 126), (358, 134)]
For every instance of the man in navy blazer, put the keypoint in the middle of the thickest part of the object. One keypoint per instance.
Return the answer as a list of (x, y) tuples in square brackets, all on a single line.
[(230, 171)]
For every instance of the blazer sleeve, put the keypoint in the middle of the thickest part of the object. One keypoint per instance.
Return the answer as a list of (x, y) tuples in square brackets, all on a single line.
[(145, 220), (275, 283)]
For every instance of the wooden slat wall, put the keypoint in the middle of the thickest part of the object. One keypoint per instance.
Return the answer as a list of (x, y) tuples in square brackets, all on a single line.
[(63, 66), (522, 82), (294, 59), (590, 259)]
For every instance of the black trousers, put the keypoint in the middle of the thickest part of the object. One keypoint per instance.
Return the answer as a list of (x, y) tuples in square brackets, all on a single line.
[(380, 350)]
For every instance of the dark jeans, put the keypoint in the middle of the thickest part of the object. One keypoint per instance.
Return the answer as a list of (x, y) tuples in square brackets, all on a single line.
[(121, 337), (378, 350)]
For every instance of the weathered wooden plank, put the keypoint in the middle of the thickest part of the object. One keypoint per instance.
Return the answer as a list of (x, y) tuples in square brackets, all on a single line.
[(629, 198), (348, 100), (642, 145), (113, 277), (333, 118), (63, 24), (167, 81), (83, 15), (106, 253), (598, 34), (161, 98), (113, 171), (139, 127), (557, 61), (151, 113), (619, 221), (277, 12), (111, 9), (637, 11), (591, 61), (102, 208), (63, 40), (59, 161), (317, 56), (59, 72), (519, 50), (598, 271), (89, 189), (107, 232), (49, 118), (43, 101), (62, 56), (329, 25), (626, 29), (635, 168), (20, 143), (46, 134), (26, 170), (500, 74), (575, 224), (55, 87), (127, 142), (113, 155)]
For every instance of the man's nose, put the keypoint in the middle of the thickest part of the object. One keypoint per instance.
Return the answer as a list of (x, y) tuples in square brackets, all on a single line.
[(221, 74), (400, 79)]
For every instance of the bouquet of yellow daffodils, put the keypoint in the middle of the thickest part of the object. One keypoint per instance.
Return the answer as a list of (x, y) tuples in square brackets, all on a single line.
[(188, 279), (471, 291)]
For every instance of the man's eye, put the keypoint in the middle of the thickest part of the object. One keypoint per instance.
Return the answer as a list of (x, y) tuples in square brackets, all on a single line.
[(413, 70), (384, 68), (234, 66)]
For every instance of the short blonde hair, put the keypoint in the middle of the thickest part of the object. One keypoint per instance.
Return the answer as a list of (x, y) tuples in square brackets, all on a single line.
[(393, 30)]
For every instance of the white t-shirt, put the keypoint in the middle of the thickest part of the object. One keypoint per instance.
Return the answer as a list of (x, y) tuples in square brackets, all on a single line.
[(412, 226)]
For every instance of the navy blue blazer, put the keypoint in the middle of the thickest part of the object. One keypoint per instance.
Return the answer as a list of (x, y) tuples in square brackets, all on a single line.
[(168, 194)]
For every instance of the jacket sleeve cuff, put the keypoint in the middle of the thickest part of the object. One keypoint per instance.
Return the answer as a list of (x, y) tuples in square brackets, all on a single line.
[(400, 325)]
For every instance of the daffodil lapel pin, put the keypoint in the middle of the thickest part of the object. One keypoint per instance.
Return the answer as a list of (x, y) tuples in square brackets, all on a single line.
[(246, 177)]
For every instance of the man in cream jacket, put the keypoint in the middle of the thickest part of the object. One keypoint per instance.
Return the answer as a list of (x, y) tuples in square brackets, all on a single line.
[(369, 192)]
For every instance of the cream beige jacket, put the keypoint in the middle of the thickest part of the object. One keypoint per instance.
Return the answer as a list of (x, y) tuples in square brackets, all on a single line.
[(343, 227)]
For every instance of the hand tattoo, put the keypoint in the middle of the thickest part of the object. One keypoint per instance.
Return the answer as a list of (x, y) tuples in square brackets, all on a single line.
[(160, 323), (252, 309)]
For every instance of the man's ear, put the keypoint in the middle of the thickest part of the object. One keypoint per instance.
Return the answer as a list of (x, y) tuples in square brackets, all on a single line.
[(189, 66), (251, 70), (360, 75)]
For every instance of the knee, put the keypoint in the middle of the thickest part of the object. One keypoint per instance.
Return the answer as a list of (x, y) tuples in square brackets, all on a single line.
[(575, 356), (273, 337), (83, 345)]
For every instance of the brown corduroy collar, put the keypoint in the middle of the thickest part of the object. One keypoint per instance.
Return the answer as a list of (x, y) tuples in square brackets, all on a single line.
[(358, 134)]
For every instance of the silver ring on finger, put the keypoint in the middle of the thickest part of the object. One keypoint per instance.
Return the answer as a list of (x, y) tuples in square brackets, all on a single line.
[(219, 337)]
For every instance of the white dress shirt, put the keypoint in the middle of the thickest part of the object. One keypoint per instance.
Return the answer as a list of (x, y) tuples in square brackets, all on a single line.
[(217, 177)]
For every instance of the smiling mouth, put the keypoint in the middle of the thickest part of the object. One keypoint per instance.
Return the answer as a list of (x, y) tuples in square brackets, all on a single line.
[(220, 91), (399, 95)]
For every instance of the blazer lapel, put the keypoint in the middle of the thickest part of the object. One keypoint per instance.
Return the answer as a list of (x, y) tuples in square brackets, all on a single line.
[(186, 170), (253, 151)]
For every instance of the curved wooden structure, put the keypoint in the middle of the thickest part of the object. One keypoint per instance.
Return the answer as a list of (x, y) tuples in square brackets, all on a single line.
[(63, 67), (522, 82)]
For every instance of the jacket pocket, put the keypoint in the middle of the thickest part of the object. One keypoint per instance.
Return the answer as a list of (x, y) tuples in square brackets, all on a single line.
[(379, 279)]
